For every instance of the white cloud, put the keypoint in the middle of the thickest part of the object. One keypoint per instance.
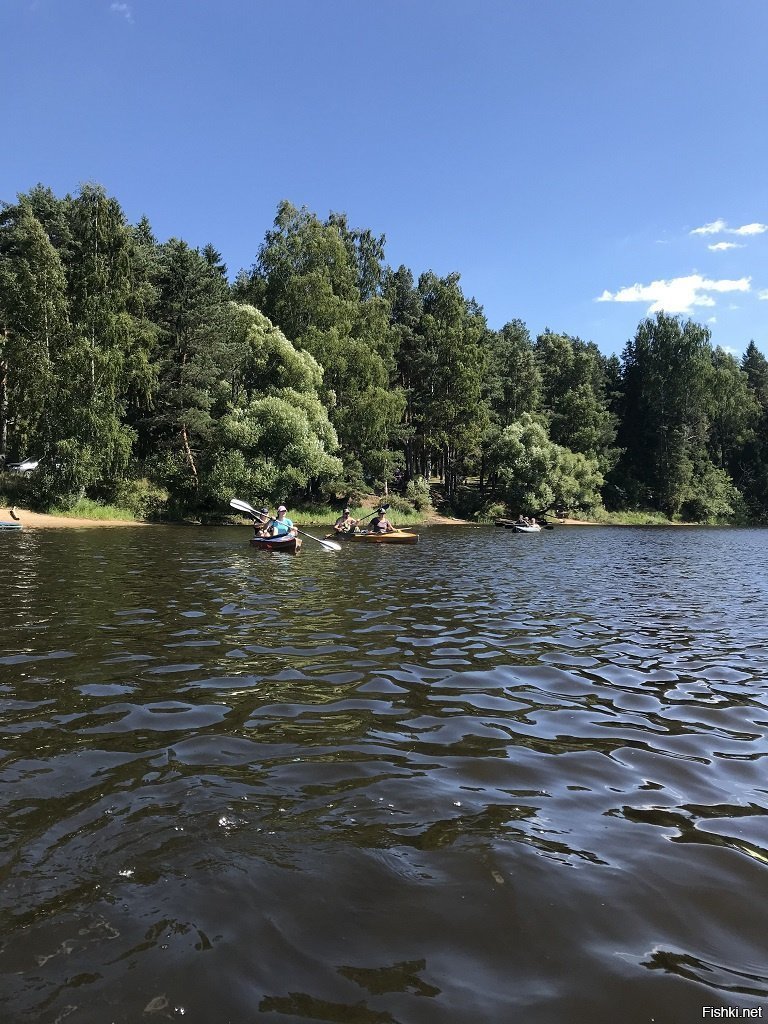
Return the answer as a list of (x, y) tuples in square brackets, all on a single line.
[(763, 295), (722, 246), (715, 228), (124, 9), (678, 295), (750, 229), (712, 320), (720, 227)]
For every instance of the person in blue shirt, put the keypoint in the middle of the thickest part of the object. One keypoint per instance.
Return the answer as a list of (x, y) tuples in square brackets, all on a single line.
[(281, 525)]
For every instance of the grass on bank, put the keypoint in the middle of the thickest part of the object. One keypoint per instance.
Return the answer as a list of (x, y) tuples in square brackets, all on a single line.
[(634, 518), (87, 509)]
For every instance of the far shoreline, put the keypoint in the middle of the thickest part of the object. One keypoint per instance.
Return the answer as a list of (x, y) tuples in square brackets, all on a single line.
[(42, 521)]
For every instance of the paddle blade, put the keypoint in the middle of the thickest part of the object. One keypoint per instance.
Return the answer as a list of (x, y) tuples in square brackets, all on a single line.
[(332, 545), (242, 506)]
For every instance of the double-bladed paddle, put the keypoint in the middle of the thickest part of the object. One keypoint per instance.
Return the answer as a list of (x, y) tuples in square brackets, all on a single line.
[(243, 506)]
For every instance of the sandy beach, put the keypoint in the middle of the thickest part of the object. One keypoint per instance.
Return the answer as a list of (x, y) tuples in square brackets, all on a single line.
[(41, 521)]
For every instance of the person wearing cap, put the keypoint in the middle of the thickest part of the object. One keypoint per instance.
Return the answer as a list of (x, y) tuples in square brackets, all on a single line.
[(345, 523), (281, 525), (263, 524), (380, 523)]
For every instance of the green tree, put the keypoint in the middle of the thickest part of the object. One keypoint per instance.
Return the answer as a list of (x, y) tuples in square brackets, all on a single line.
[(755, 365), (319, 282), (574, 397), (34, 323), (753, 475), (452, 416), (733, 411), (535, 475), (406, 307), (199, 364), (55, 216), (83, 318), (513, 378), (667, 373), (276, 439)]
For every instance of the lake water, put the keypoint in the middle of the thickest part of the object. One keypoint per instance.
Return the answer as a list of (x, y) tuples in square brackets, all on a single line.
[(488, 778)]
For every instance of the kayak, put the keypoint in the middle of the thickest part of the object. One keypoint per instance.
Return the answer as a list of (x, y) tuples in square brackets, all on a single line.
[(396, 537), (289, 544), (5, 525), (511, 524)]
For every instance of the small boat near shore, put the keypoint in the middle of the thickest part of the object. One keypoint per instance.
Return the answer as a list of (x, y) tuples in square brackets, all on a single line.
[(373, 537), (5, 525), (290, 544), (518, 527)]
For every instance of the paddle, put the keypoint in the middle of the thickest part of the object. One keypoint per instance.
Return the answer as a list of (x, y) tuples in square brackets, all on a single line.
[(385, 507), (243, 506)]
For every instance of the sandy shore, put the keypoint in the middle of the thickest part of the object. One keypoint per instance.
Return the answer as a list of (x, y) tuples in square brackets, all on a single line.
[(435, 519), (40, 521)]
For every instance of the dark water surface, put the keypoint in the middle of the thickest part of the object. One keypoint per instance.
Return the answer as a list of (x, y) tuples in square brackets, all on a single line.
[(489, 778)]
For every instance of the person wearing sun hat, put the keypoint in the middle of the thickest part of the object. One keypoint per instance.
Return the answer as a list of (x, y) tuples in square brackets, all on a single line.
[(282, 526), (345, 523)]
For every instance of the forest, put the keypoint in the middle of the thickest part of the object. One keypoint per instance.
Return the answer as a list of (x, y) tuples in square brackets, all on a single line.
[(141, 374)]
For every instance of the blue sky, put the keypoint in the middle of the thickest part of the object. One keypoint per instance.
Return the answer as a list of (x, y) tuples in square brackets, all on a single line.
[(579, 162)]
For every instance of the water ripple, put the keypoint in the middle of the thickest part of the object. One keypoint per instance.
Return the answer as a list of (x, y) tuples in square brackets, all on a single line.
[(488, 777)]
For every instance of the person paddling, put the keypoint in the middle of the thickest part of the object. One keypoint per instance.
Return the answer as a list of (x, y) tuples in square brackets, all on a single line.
[(262, 526), (380, 523), (281, 525), (345, 523)]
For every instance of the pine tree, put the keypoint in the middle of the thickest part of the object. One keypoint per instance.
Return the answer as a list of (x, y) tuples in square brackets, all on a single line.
[(34, 325)]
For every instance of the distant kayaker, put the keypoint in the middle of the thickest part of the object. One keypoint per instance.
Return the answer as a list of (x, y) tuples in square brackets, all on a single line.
[(281, 525), (345, 523), (380, 523)]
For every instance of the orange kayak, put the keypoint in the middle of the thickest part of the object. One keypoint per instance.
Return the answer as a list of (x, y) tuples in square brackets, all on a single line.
[(396, 537)]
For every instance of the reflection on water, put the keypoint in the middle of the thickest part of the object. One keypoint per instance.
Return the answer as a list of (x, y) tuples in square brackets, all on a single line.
[(487, 777)]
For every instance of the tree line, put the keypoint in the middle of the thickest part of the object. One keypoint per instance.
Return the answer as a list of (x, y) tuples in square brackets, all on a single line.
[(140, 374)]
